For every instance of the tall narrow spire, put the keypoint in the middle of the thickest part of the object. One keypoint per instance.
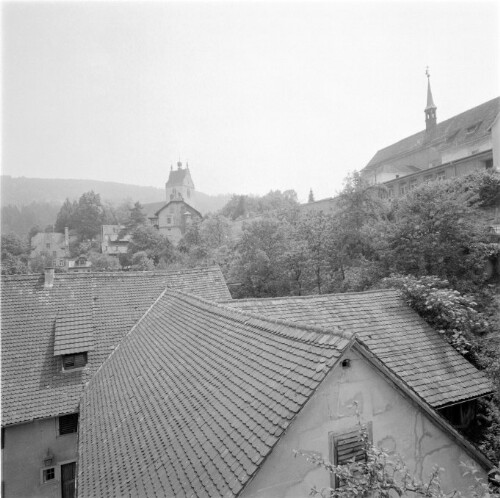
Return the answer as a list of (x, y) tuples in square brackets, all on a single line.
[(430, 110)]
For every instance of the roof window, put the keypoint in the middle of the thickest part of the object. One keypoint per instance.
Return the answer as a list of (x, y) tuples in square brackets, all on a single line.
[(472, 129), (72, 361), (452, 137)]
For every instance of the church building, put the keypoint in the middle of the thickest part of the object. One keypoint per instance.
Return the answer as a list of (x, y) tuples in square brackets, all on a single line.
[(174, 217), (457, 146)]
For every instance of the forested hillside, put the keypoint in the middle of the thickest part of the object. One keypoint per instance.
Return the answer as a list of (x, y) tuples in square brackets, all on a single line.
[(29, 202)]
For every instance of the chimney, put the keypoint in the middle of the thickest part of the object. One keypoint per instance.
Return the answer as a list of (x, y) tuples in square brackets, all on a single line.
[(49, 278)]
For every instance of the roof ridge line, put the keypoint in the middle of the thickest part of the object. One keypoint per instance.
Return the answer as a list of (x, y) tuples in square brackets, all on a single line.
[(121, 342), (341, 333), (90, 274), (310, 296)]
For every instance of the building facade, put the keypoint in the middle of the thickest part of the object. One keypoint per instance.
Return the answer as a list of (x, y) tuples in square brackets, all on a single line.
[(174, 217), (457, 146), (111, 242), (53, 245)]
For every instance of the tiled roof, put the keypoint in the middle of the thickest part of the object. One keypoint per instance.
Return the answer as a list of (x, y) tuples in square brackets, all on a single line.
[(447, 134), (74, 328), (33, 385), (177, 201), (394, 333), (194, 399)]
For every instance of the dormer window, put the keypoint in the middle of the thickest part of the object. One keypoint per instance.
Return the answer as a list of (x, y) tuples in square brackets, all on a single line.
[(472, 129), (72, 361)]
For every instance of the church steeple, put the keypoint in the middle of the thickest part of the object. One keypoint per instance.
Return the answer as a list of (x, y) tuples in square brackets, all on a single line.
[(430, 110)]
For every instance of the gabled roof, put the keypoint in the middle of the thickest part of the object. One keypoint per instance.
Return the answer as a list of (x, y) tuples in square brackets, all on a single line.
[(394, 333), (177, 201), (449, 133), (103, 306), (194, 399)]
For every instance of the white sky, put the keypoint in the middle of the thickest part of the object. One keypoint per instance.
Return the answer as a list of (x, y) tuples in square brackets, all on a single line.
[(255, 95)]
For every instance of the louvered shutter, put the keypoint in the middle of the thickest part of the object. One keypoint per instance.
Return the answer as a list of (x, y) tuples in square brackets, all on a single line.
[(68, 423), (347, 445)]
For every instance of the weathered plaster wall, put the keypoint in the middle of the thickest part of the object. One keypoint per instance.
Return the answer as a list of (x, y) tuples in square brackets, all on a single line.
[(398, 425), (25, 447)]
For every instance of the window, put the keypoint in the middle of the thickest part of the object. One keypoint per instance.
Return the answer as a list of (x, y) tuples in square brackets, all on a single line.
[(403, 188), (413, 184), (47, 245), (488, 164), (169, 220), (71, 361), (428, 178), (68, 424), (48, 474), (347, 446), (472, 129), (441, 175)]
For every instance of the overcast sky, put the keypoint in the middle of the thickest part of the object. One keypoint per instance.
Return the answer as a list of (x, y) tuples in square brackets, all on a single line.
[(255, 95)]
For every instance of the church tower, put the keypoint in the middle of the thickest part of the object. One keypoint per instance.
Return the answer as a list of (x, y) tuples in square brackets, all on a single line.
[(430, 110), (180, 186)]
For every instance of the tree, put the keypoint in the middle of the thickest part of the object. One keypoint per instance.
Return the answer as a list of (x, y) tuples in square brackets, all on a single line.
[(152, 243), (435, 231), (136, 219), (89, 216), (215, 231), (65, 217), (257, 265), (142, 262), (311, 196), (103, 262)]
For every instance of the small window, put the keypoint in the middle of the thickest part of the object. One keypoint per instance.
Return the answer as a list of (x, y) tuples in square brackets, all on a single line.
[(71, 361), (68, 424), (441, 175), (48, 474), (403, 189), (47, 245), (413, 184), (169, 220)]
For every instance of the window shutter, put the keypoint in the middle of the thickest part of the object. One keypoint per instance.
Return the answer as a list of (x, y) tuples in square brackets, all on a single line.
[(68, 424), (347, 445)]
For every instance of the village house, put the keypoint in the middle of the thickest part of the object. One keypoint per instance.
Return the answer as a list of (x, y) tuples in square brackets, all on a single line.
[(53, 245), (206, 399), (111, 242), (57, 330)]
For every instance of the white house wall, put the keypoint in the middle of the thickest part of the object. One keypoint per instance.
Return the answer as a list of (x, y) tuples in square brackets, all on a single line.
[(398, 425)]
